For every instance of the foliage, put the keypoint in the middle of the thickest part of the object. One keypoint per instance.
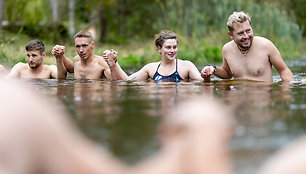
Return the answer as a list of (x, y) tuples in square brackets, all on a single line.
[(200, 25)]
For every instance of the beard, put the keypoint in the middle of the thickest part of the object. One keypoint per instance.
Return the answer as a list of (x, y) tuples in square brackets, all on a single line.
[(243, 46), (34, 66)]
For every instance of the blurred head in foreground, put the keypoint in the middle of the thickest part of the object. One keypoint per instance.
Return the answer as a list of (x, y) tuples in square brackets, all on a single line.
[(37, 137), (203, 126)]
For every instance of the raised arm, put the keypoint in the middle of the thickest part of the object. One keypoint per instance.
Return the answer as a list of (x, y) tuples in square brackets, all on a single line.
[(63, 63), (278, 63), (115, 71)]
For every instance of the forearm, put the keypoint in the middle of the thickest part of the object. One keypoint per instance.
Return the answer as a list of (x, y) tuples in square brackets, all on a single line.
[(61, 69), (286, 75), (118, 73), (222, 73)]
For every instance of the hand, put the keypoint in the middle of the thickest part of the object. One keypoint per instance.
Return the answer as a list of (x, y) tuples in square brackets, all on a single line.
[(207, 71), (110, 57), (58, 51)]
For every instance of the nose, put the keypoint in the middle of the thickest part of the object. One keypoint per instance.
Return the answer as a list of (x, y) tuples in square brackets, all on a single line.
[(81, 49), (31, 58)]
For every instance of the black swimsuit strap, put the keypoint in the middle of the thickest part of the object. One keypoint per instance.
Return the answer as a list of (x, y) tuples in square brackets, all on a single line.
[(158, 66), (161, 62)]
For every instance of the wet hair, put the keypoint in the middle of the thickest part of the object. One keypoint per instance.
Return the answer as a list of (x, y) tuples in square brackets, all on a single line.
[(84, 33), (162, 36), (36, 45), (238, 18)]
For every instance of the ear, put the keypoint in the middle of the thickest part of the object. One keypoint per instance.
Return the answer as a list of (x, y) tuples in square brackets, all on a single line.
[(230, 34), (44, 55), (159, 49), (93, 43)]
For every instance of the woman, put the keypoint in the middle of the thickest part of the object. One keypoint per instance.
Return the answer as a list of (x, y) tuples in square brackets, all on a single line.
[(168, 69)]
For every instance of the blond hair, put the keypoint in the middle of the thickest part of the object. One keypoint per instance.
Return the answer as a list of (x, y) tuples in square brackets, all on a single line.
[(238, 18), (84, 33)]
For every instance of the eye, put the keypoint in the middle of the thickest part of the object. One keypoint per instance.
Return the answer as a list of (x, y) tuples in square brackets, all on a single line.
[(77, 46)]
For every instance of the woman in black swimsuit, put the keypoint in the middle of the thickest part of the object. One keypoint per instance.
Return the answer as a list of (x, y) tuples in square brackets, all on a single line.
[(168, 69)]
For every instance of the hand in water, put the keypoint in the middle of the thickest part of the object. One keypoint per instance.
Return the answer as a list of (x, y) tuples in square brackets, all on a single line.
[(207, 71)]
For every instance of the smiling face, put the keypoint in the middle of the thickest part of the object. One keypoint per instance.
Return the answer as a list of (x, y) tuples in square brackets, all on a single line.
[(169, 49), (84, 46), (35, 59), (242, 34)]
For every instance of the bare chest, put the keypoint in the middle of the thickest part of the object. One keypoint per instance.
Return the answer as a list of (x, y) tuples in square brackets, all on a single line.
[(252, 66), (45, 74), (91, 71)]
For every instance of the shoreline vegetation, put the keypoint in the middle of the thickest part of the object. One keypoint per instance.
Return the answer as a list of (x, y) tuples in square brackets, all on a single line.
[(200, 27)]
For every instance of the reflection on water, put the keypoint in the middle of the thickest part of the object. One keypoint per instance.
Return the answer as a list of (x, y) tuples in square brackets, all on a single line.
[(123, 116)]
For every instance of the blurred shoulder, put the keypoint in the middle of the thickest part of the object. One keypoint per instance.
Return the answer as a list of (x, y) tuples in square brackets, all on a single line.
[(21, 65), (263, 40)]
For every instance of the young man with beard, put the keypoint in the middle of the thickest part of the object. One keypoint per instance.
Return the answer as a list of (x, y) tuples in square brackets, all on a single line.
[(35, 67), (85, 65), (248, 57)]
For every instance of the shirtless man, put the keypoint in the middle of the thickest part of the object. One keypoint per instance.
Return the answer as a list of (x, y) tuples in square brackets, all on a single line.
[(248, 57), (85, 65), (35, 67)]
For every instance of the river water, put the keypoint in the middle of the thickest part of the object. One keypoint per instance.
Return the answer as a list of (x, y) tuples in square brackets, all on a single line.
[(123, 116)]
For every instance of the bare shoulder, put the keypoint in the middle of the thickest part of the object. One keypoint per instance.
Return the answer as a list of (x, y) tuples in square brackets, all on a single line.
[(151, 66), (76, 59), (228, 46), (185, 63), (20, 66), (100, 61), (50, 67), (262, 41)]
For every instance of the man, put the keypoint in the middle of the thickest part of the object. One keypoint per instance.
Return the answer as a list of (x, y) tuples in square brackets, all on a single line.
[(248, 57), (85, 65), (35, 67)]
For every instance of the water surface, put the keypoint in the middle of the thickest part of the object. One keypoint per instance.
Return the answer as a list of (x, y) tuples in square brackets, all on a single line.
[(123, 116)]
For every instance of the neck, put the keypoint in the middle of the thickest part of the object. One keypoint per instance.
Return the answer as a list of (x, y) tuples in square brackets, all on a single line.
[(244, 50), (87, 61), (168, 62)]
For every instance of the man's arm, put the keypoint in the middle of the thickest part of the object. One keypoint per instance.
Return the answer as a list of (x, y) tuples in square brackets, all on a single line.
[(278, 63), (222, 72), (63, 63), (15, 71), (115, 72)]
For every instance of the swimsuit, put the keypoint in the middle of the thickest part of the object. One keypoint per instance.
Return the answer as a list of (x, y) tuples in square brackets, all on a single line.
[(174, 77)]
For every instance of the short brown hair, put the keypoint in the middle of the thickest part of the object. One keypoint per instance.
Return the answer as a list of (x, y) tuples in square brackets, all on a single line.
[(84, 33), (36, 45), (237, 17), (162, 36)]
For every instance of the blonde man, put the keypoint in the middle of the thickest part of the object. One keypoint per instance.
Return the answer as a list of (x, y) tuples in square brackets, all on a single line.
[(35, 67), (85, 65), (248, 57)]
